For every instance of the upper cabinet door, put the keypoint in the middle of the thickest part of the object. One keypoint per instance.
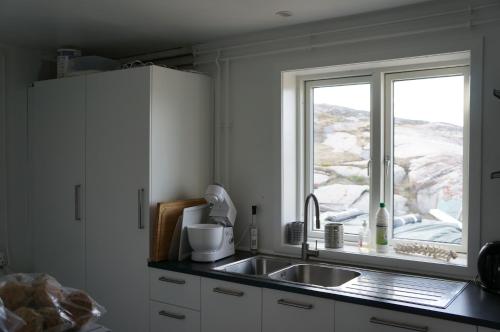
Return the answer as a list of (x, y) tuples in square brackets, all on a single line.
[(117, 164), (57, 147)]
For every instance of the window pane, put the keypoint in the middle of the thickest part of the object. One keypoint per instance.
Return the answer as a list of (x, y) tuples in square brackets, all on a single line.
[(341, 153), (428, 157)]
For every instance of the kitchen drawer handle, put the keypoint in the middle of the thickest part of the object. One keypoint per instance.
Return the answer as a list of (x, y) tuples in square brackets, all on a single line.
[(295, 304), (375, 320), (171, 315), (228, 292), (172, 281), (78, 214)]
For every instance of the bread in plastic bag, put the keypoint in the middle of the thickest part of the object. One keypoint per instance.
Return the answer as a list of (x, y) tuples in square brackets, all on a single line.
[(39, 303)]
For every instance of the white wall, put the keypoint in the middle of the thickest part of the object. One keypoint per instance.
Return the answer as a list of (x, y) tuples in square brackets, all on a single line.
[(248, 121), (22, 67)]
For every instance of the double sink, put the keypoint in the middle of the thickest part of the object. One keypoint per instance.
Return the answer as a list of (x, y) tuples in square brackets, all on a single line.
[(382, 286), (301, 273)]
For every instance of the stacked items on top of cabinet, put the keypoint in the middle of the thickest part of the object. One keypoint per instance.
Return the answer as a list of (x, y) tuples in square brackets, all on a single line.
[(105, 149)]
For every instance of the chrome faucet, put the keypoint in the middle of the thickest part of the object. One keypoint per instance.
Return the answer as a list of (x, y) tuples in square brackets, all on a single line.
[(306, 252)]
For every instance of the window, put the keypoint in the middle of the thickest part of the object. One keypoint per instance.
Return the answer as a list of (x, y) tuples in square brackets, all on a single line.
[(398, 136)]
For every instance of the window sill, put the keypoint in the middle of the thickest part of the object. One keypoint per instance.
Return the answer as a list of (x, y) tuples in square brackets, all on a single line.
[(351, 254)]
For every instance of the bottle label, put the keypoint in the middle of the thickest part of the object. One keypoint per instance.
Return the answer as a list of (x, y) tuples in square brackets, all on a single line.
[(382, 235)]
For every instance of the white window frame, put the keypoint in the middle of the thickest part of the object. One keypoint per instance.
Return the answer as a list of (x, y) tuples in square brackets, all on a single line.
[(409, 74), (380, 119)]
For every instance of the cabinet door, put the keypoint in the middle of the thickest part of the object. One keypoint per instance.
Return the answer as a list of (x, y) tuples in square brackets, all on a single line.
[(352, 317), (56, 207), (117, 164), (229, 307), (170, 318), (289, 312), (175, 288)]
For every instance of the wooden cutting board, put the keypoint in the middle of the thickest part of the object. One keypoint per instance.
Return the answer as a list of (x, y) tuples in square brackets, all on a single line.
[(167, 215)]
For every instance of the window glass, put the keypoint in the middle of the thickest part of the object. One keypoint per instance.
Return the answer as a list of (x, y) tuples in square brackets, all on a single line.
[(341, 153), (428, 174)]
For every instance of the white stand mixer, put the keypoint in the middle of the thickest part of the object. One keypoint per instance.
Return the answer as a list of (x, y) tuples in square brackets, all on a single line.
[(214, 240)]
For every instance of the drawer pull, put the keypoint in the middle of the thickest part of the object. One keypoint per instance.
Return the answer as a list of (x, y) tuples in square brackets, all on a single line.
[(228, 292), (171, 315), (375, 320), (296, 304), (172, 281)]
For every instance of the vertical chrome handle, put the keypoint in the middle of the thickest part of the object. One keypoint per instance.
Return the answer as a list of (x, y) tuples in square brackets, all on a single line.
[(368, 167), (78, 190), (404, 326), (140, 208)]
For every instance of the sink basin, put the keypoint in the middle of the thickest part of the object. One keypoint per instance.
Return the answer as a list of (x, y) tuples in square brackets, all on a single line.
[(259, 265), (315, 275)]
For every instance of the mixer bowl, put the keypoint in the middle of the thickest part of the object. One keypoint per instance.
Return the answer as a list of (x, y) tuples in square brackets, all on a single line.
[(205, 237)]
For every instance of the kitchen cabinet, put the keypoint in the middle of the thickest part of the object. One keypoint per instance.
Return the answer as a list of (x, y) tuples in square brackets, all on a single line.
[(353, 317), (57, 151), (290, 312), (175, 288), (140, 136), (229, 307)]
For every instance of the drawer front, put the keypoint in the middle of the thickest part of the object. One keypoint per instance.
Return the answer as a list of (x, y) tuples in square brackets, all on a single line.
[(352, 317), (169, 318), (290, 312), (230, 307), (175, 288)]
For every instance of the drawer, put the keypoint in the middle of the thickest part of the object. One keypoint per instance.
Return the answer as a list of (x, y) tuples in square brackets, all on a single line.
[(290, 312), (170, 318), (174, 288), (353, 317)]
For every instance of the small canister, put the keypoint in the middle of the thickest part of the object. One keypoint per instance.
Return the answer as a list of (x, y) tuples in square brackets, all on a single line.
[(334, 235), (294, 232)]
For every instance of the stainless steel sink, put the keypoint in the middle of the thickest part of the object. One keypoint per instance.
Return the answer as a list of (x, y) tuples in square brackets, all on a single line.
[(315, 275), (256, 266)]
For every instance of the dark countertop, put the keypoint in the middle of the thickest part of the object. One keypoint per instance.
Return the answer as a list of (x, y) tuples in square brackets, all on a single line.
[(472, 306)]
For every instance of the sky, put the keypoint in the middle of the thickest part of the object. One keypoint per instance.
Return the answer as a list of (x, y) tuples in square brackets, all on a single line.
[(438, 99)]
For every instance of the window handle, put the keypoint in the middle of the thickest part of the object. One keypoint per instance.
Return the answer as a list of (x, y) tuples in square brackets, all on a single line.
[(387, 166), (368, 167)]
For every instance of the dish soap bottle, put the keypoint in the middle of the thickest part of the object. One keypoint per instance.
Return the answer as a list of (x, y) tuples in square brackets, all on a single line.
[(382, 218), (364, 238), (254, 234)]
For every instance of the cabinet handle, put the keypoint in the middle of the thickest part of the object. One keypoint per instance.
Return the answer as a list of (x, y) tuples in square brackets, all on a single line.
[(171, 314), (140, 209), (172, 281), (78, 190), (228, 292), (289, 303), (375, 320)]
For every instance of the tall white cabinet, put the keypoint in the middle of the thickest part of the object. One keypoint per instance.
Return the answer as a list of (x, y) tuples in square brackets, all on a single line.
[(144, 138)]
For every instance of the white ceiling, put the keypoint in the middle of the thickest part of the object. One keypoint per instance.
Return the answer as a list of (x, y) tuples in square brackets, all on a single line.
[(118, 28)]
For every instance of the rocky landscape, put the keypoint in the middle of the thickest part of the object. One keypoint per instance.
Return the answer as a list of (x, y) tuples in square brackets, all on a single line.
[(428, 172)]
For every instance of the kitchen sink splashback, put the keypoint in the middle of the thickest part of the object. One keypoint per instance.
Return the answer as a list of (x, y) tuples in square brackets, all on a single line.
[(383, 286)]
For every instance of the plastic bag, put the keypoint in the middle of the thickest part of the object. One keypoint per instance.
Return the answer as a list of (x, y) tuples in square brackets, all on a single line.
[(39, 303)]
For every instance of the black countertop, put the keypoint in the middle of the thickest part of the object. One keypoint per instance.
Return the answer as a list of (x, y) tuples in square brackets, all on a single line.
[(472, 306)]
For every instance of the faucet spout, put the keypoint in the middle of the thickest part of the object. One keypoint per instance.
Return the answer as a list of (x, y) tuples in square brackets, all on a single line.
[(306, 252)]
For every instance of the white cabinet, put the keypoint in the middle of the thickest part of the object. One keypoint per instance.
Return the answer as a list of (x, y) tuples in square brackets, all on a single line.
[(229, 307), (57, 146), (106, 148), (352, 317), (169, 318), (290, 312)]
